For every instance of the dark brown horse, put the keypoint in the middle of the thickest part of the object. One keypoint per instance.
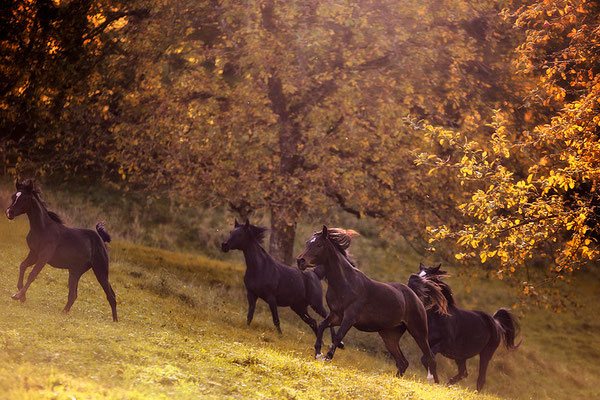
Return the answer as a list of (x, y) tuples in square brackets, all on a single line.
[(356, 300), (277, 284), (462, 334), (50, 242)]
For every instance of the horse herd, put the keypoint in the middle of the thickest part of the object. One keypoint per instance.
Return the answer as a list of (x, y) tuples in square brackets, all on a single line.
[(424, 307)]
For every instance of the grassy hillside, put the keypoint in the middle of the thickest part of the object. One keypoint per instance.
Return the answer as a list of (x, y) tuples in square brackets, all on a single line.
[(182, 333)]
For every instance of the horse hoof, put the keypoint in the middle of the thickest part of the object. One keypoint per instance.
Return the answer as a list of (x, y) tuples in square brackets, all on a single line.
[(18, 296), (341, 346), (430, 377), (319, 356)]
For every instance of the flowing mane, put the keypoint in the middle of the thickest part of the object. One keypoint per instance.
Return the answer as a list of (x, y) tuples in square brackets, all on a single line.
[(37, 193), (258, 233), (446, 290), (341, 239)]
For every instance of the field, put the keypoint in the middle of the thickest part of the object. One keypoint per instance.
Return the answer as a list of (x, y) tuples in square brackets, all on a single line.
[(182, 333)]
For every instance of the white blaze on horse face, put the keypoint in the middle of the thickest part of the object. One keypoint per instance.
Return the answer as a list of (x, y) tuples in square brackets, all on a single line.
[(17, 195), (312, 240), (422, 273)]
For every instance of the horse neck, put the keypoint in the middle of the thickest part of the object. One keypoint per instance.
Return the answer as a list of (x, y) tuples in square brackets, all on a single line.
[(255, 256), (337, 268), (38, 216)]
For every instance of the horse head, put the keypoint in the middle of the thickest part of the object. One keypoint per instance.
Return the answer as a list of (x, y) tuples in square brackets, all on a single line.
[(22, 199), (242, 234)]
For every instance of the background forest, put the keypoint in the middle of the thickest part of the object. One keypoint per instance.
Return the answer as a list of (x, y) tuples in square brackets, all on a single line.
[(444, 131), (467, 128)]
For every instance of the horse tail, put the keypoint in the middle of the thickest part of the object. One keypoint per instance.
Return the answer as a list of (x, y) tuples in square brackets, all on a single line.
[(102, 232), (510, 327), (429, 292)]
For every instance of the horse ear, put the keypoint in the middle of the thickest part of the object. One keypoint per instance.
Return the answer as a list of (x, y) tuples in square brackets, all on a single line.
[(438, 267), (235, 223), (324, 231)]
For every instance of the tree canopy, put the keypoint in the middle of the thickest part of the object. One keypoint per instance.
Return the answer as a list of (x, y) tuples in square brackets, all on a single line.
[(284, 106), (546, 207), (477, 120)]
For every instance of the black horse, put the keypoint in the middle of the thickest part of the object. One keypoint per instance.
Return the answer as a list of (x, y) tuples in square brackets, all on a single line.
[(356, 300), (276, 283), (462, 334), (50, 242)]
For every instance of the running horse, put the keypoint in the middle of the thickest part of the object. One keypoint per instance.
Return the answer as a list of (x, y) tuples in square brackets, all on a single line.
[(356, 300), (461, 334), (51, 242)]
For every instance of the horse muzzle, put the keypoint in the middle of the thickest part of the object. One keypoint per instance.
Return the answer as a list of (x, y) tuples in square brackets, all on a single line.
[(225, 247), (8, 213)]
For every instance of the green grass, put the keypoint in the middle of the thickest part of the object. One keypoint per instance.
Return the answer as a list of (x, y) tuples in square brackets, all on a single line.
[(182, 332), (181, 335)]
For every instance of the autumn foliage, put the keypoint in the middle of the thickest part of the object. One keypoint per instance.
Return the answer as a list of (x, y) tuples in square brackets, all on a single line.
[(545, 206), (477, 120)]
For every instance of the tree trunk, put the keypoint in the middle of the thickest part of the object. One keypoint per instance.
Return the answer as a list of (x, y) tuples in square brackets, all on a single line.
[(285, 207), (283, 231)]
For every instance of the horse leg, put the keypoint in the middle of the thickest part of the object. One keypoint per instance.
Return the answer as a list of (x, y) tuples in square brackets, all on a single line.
[(43, 258), (349, 319), (303, 313), (391, 339), (30, 259), (101, 272), (273, 306), (320, 309), (419, 332), (484, 358), (330, 321), (341, 345), (462, 372), (74, 276), (251, 306), (435, 348)]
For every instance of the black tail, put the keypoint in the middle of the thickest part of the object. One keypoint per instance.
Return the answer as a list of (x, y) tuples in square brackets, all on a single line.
[(510, 327), (429, 292), (102, 232)]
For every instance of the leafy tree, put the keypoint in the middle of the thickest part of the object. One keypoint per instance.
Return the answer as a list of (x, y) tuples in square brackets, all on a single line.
[(55, 93), (287, 106), (549, 208)]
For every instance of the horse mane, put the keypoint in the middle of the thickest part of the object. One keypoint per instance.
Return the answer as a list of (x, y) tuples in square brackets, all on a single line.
[(446, 290), (34, 188), (258, 233), (341, 239)]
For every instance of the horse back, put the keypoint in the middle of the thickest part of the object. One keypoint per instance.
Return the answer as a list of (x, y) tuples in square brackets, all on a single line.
[(466, 332), (77, 247)]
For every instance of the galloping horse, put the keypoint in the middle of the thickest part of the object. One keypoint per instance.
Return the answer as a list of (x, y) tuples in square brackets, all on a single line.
[(462, 334), (356, 300), (276, 283), (50, 242)]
